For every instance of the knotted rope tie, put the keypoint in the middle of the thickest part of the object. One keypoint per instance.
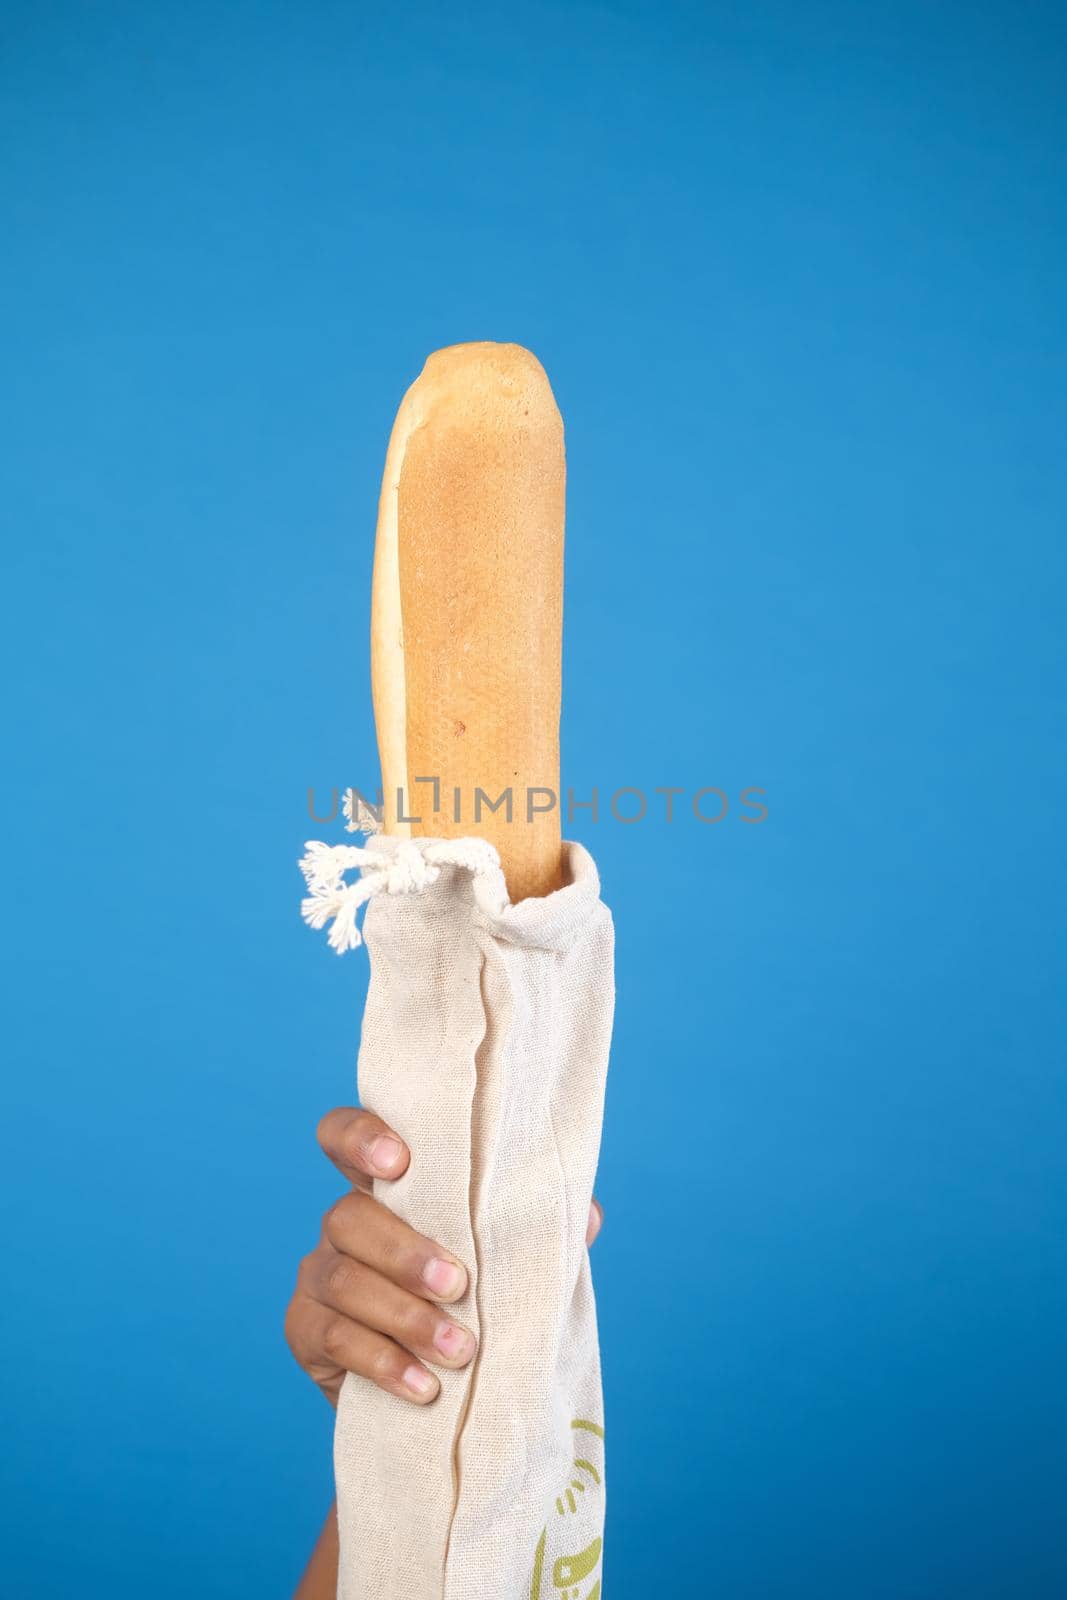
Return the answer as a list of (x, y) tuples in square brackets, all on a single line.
[(394, 866)]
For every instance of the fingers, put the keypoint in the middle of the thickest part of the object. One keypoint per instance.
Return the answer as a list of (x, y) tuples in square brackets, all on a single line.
[(362, 1295), (358, 1227), (364, 1303), (327, 1345), (361, 1145)]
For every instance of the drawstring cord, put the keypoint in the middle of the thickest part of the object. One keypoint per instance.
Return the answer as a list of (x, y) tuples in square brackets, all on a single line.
[(392, 866)]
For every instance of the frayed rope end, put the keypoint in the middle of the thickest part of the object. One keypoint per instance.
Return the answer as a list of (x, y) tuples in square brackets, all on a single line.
[(404, 867)]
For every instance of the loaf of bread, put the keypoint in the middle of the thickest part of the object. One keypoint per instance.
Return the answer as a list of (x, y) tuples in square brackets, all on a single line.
[(467, 606)]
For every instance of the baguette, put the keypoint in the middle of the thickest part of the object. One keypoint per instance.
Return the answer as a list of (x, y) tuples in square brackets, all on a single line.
[(467, 610)]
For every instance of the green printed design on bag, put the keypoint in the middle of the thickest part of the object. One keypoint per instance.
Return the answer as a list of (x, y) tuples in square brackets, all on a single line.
[(569, 1572)]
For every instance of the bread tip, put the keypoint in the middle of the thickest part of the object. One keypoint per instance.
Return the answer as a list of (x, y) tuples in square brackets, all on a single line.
[(483, 374), (499, 356)]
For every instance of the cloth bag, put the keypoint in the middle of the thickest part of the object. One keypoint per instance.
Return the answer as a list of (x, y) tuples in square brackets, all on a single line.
[(485, 1044)]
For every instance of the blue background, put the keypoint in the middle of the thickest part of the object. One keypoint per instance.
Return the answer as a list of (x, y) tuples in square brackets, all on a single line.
[(796, 273)]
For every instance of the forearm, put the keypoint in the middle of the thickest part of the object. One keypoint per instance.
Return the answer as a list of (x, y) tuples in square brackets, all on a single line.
[(320, 1575)]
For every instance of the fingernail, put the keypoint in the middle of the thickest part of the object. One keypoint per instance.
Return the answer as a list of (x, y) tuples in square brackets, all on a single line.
[(454, 1343), (385, 1153), (420, 1382), (445, 1278)]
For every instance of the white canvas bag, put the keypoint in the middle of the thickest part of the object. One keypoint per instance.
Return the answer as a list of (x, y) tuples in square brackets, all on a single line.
[(485, 1045)]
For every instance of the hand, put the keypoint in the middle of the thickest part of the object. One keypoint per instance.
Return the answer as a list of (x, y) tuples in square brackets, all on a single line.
[(367, 1297)]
